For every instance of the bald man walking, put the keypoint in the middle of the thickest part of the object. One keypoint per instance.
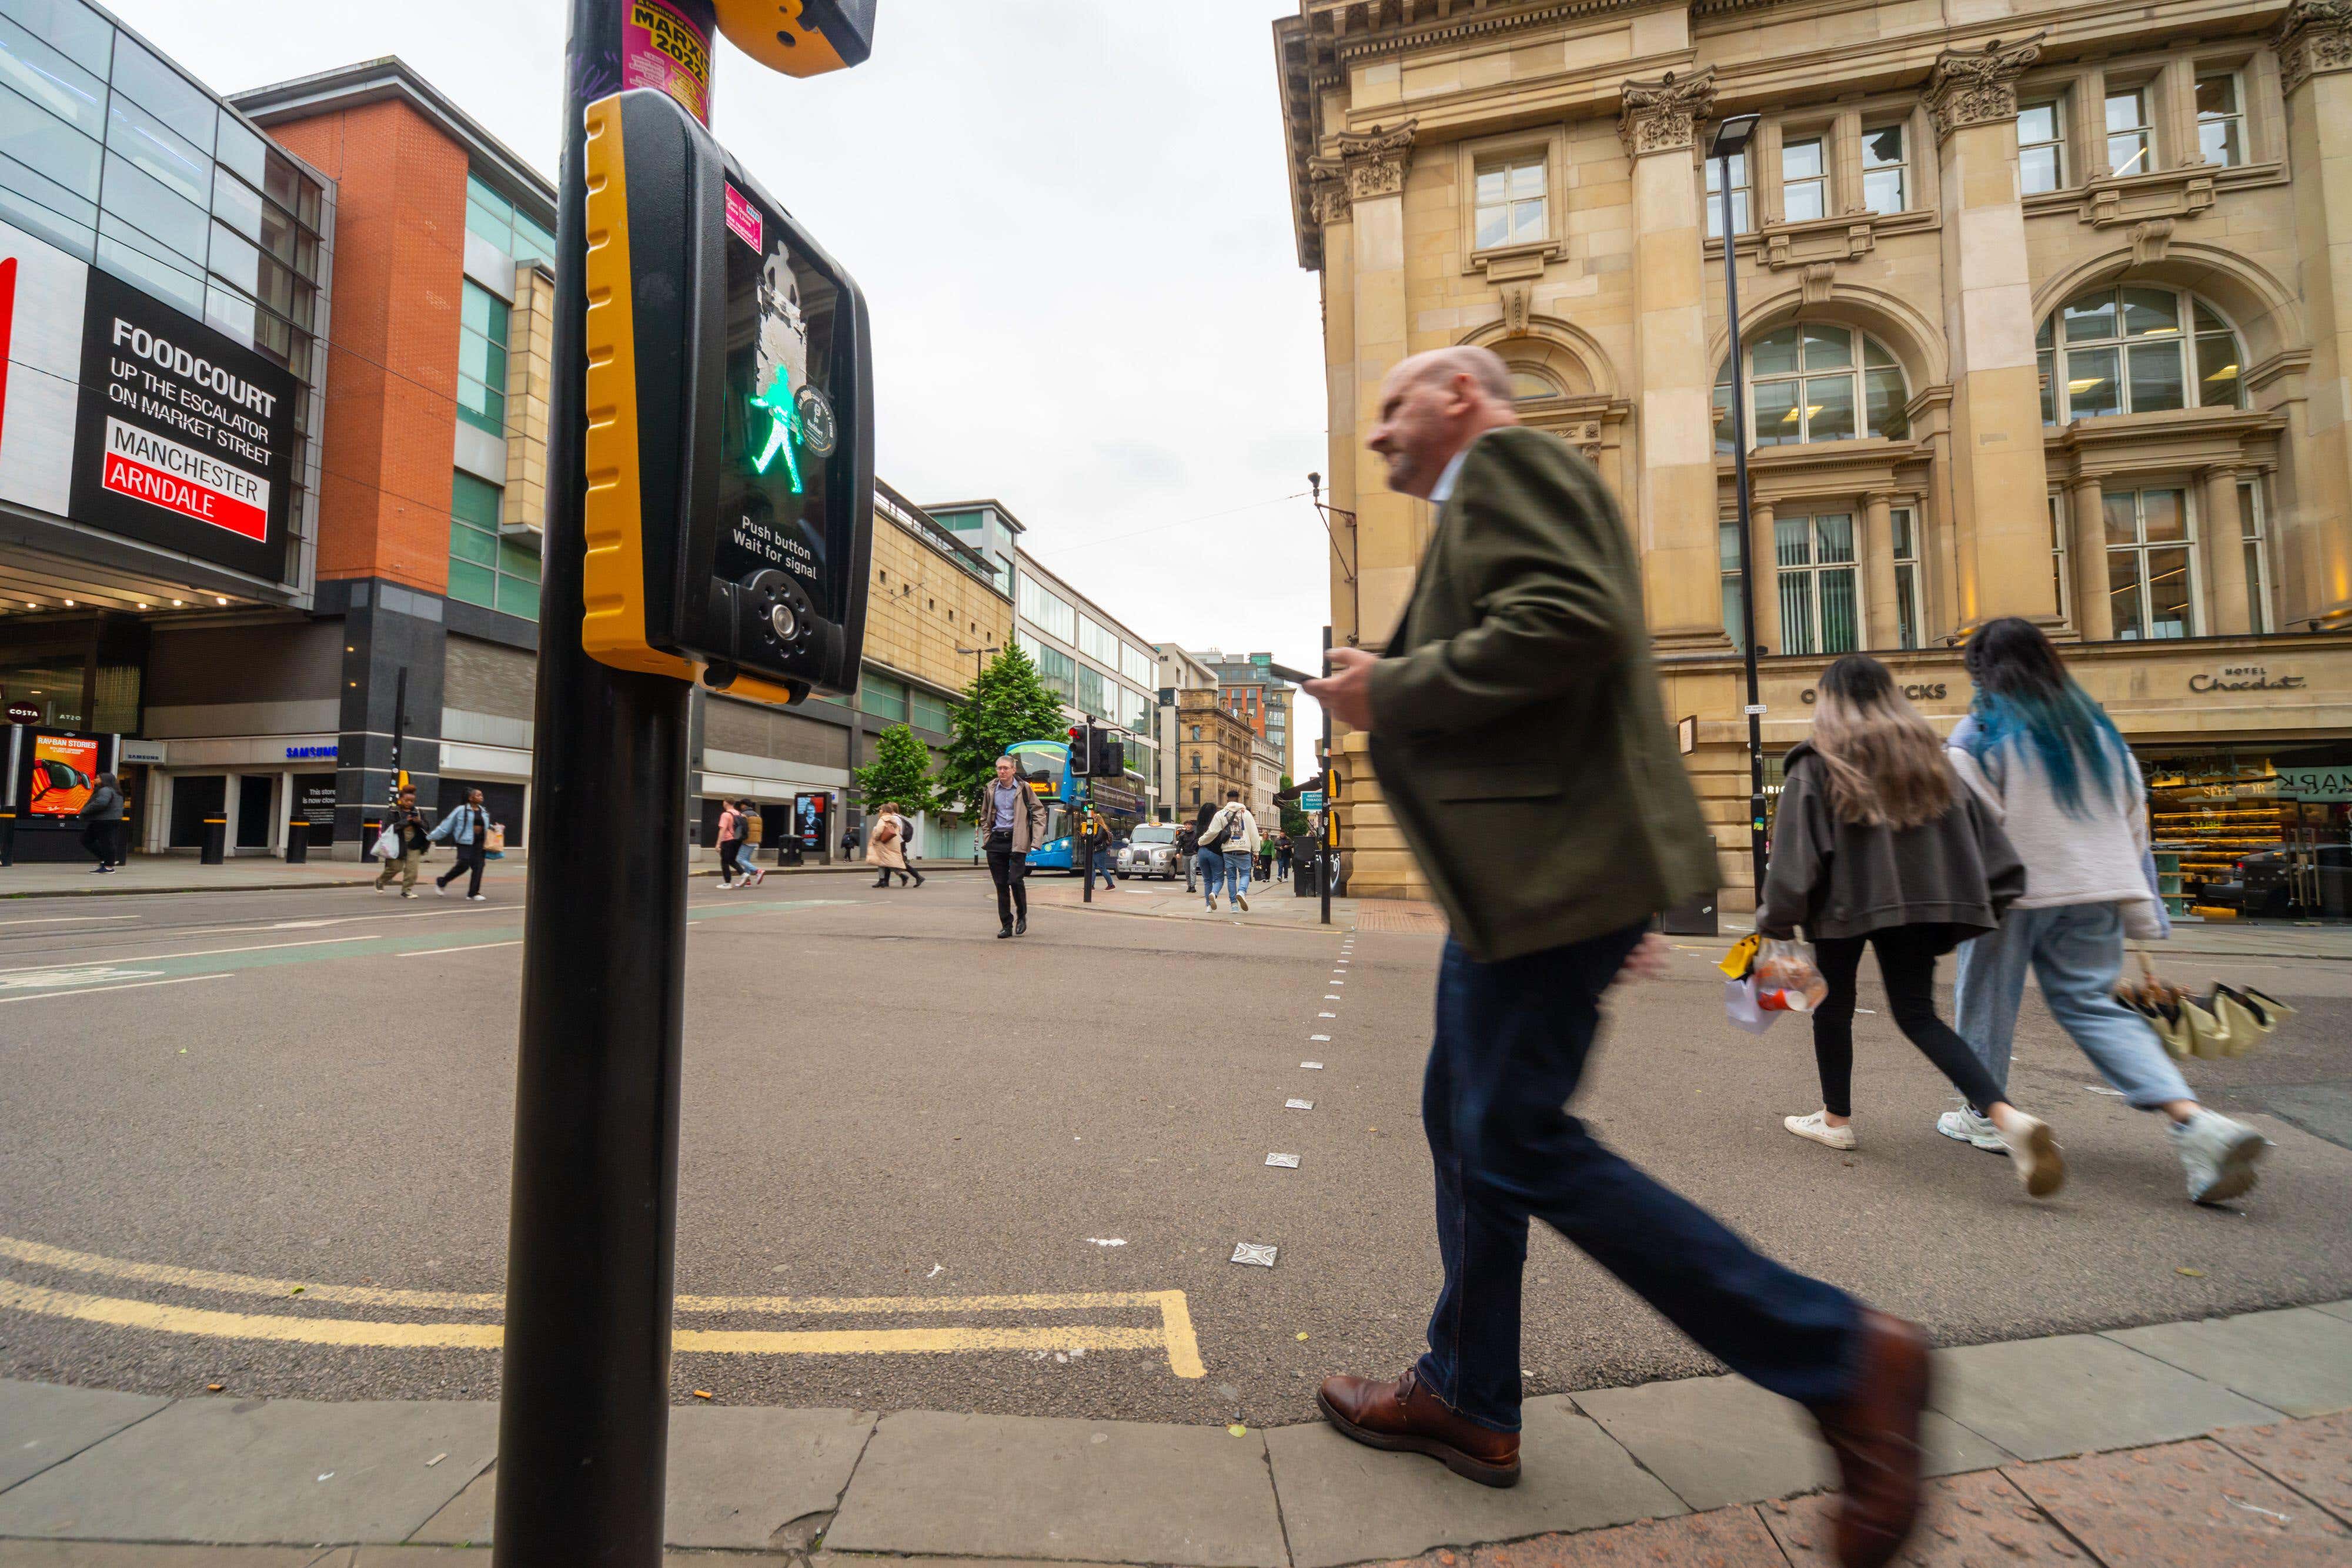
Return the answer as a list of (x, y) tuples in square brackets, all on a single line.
[(1516, 728)]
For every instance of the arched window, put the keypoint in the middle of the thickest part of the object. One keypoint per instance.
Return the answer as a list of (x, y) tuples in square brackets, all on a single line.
[(2136, 349), (1816, 382), (1531, 386)]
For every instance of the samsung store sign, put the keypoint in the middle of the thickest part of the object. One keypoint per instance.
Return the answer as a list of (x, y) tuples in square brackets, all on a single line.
[(135, 420)]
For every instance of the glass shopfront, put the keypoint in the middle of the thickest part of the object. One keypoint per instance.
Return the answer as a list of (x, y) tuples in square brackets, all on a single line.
[(2251, 828)]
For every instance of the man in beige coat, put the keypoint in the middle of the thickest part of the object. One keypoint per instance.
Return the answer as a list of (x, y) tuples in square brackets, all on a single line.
[(1516, 731)]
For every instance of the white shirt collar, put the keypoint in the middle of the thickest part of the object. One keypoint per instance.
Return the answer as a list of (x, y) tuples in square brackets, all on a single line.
[(1442, 491)]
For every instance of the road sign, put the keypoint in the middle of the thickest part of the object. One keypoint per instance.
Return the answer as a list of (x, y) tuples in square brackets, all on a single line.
[(1310, 800), (729, 381)]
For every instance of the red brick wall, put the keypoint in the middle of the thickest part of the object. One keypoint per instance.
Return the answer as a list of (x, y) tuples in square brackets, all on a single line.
[(392, 365)]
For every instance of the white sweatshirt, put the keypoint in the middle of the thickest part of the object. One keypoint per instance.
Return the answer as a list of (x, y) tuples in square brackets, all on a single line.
[(2098, 857)]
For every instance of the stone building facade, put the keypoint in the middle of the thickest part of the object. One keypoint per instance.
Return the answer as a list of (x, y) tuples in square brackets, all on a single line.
[(1216, 752), (2041, 316)]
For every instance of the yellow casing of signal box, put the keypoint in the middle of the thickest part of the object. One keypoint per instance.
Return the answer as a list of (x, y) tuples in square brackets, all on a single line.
[(758, 29)]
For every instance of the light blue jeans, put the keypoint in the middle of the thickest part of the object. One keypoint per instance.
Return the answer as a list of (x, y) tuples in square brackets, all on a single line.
[(2075, 951)]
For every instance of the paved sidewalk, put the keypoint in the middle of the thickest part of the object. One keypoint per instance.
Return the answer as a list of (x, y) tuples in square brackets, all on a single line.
[(1270, 904), (256, 873), (2208, 1443)]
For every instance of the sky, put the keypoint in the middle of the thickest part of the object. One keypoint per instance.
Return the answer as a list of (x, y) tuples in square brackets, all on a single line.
[(1071, 221)]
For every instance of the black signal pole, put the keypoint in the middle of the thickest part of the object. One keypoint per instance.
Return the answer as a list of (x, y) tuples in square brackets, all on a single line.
[(1731, 140), (584, 1419)]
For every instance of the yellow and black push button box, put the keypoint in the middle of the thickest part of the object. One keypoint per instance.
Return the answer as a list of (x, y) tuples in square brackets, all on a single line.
[(729, 397), (800, 38)]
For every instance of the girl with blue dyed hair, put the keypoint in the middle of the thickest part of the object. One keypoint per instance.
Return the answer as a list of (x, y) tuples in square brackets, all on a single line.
[(2048, 760)]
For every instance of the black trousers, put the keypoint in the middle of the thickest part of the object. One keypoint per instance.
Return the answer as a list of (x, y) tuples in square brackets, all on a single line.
[(98, 838), (470, 858), (1907, 965), (1009, 869), (730, 865)]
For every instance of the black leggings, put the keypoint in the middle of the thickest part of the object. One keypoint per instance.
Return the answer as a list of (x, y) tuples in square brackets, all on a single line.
[(1907, 963), (730, 865)]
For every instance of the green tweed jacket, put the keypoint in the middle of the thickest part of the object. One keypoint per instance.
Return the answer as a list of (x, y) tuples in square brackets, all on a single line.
[(1516, 728)]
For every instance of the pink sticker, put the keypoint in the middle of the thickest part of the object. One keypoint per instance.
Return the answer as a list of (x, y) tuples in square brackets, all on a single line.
[(662, 50), (743, 217)]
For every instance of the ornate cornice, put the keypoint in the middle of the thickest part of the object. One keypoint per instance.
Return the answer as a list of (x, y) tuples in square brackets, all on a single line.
[(1979, 86), (1358, 165), (1661, 116), (2313, 37)]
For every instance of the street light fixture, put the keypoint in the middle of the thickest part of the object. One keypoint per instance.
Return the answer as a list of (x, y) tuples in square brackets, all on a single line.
[(1730, 140), (977, 654)]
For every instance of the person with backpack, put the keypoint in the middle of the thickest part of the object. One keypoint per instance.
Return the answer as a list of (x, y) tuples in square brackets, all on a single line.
[(892, 835), (1877, 842), (101, 817), (1188, 844), (1094, 847), (730, 845), (2046, 756), (1228, 845), (468, 829)]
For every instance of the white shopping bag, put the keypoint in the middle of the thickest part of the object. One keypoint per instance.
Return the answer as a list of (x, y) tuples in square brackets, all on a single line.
[(1739, 1007), (387, 845)]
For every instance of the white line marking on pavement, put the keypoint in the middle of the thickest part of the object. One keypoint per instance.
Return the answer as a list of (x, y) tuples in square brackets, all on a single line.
[(1327, 1015), (206, 953), (67, 919), (1324, 1037), (91, 990), (475, 948)]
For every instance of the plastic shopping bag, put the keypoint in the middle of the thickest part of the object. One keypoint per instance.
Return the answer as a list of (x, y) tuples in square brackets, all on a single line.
[(1740, 1006), (1787, 980), (387, 845), (1741, 960)]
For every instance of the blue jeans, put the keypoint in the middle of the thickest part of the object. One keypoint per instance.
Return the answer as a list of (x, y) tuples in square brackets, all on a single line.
[(2075, 951), (1512, 1038), (1211, 865), (1099, 866)]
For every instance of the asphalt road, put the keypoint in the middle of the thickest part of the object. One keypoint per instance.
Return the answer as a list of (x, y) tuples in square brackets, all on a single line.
[(961, 1158)]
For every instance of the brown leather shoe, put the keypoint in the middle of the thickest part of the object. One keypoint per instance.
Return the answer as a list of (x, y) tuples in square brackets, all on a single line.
[(1404, 1415), (1876, 1436)]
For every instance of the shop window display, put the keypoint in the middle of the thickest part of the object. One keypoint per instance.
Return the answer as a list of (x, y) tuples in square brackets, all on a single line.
[(2253, 831)]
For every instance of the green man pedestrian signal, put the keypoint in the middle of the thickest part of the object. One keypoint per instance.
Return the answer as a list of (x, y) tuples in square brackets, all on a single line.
[(800, 38), (730, 515)]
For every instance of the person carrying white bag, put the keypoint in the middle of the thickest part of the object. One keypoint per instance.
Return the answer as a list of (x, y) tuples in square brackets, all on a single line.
[(1877, 842)]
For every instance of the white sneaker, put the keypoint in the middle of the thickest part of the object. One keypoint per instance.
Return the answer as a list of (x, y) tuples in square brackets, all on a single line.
[(2034, 1149), (1817, 1128), (1241, 903), (439, 890), (477, 898), (1968, 1127), (2219, 1155)]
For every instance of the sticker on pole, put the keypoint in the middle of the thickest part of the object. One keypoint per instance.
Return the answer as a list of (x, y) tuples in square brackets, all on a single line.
[(743, 217), (662, 50)]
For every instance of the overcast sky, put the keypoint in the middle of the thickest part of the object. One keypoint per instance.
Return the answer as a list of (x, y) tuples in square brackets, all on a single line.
[(1070, 220)]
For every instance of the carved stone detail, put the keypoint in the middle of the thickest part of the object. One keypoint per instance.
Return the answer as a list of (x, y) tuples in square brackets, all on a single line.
[(1660, 116), (2315, 37), (1979, 86), (1818, 276), (2150, 240), (1519, 305), (1357, 166)]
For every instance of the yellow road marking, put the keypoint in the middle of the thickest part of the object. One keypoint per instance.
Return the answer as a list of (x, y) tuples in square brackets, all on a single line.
[(1174, 1333)]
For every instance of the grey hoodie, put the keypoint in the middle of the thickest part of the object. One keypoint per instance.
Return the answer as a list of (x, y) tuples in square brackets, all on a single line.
[(1845, 878)]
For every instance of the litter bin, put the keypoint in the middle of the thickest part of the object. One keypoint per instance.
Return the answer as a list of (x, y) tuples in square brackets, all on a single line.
[(298, 842), (1692, 917), (216, 841), (1305, 873)]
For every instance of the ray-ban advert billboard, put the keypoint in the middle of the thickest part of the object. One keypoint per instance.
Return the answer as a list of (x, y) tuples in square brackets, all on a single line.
[(181, 436)]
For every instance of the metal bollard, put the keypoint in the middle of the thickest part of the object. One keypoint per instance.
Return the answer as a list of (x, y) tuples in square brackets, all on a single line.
[(298, 842), (216, 841)]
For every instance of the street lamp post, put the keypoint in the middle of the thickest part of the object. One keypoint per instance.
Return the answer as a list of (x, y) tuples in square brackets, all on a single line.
[(1731, 139)]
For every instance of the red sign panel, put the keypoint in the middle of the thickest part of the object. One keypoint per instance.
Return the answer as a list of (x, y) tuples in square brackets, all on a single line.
[(163, 473)]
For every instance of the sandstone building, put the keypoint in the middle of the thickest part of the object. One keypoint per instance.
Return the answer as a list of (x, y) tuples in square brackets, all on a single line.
[(2043, 315)]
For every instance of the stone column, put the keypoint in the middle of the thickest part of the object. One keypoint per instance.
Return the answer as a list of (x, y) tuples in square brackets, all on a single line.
[(2223, 529), (2315, 50), (1673, 497), (1763, 559), (1358, 187), (1999, 515), (1878, 569), (2087, 561)]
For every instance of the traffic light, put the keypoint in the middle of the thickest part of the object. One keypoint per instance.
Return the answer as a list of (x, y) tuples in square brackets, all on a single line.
[(1110, 756), (800, 38), (730, 451)]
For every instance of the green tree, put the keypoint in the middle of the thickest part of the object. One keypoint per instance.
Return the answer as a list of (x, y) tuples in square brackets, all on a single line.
[(1295, 823), (900, 772), (1007, 701)]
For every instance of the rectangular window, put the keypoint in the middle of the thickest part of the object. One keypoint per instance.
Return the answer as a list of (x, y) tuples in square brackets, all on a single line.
[(1804, 179), (1735, 625), (1049, 613), (1739, 192), (1885, 170), (1910, 630), (2131, 148), (928, 710), (2060, 589), (883, 697), (1820, 590), (482, 360), (484, 568), (2251, 517), (1136, 665), (1091, 696), (1059, 671), (2150, 565), (1509, 203), (2040, 147), (2221, 120)]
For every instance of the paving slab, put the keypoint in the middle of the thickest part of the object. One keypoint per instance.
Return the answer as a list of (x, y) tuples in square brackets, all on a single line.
[(1722, 1440), (2298, 1360), (1969, 1522), (737, 1475), (114, 1554), (1727, 1538), (2183, 1505), (2335, 1309), (2314, 1458), (282, 1470), (2047, 1398), (1026, 1486), (479, 1557), (42, 1424), (464, 1519), (1343, 1502)]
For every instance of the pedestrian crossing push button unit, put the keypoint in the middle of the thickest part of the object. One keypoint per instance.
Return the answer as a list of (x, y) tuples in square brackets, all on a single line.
[(730, 454)]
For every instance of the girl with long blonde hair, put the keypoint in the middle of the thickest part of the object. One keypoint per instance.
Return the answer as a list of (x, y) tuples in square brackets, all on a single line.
[(1877, 842)]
